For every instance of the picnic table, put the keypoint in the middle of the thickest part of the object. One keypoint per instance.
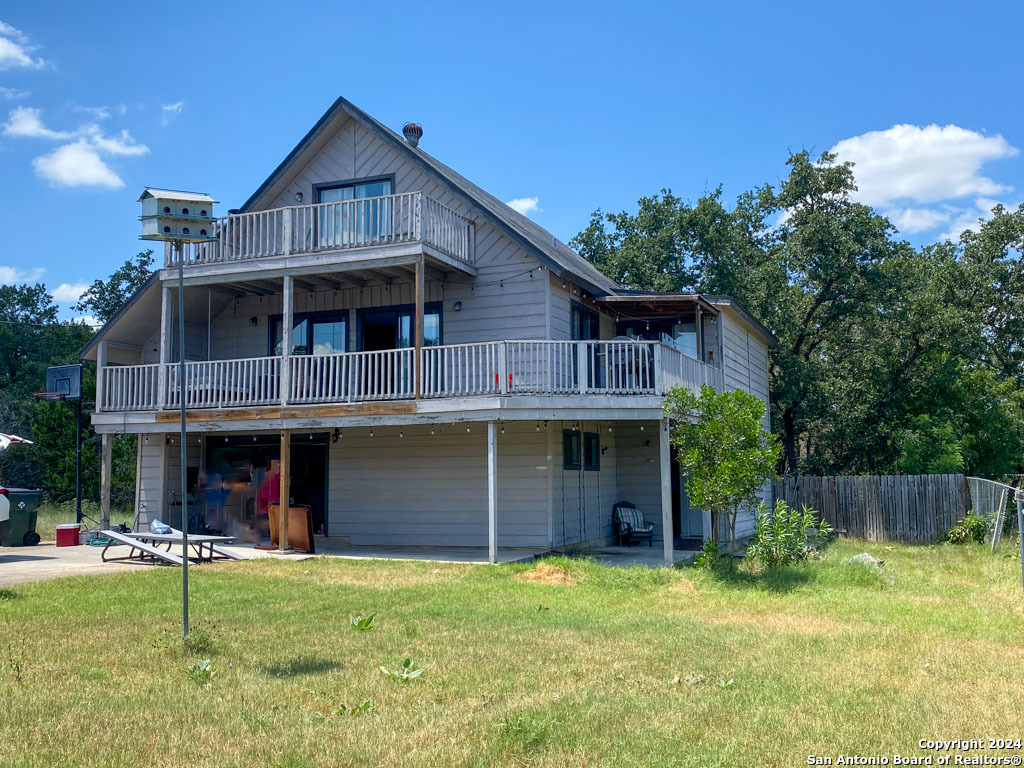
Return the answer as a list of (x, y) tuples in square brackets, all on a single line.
[(158, 546)]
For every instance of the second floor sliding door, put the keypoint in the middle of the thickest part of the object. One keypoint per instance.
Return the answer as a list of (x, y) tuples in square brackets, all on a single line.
[(355, 214)]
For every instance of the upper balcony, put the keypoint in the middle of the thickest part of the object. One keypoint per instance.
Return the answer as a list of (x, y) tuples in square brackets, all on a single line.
[(368, 224), (578, 369)]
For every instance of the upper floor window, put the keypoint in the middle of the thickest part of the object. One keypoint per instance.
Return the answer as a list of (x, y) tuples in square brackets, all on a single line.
[(585, 323), (313, 333), (368, 222)]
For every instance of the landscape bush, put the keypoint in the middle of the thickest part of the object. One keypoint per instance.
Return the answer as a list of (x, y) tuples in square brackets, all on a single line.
[(973, 528), (786, 535)]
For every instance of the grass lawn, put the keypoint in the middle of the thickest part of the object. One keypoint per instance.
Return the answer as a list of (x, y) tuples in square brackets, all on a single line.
[(563, 664), (51, 515)]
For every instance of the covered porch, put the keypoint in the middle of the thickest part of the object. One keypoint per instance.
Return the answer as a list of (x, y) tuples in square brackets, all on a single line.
[(431, 487)]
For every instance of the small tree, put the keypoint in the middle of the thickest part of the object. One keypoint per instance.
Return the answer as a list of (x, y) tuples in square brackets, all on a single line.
[(724, 449)]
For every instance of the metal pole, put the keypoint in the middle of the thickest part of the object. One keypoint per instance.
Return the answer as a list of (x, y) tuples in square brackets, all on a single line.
[(78, 460), (1019, 497), (184, 449)]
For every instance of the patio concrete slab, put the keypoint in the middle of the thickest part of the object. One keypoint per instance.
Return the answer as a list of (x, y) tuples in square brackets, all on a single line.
[(626, 557), (19, 565), (337, 548)]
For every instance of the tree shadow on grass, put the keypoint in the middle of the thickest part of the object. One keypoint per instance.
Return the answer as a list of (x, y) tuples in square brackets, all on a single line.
[(784, 579), (8, 594), (301, 665)]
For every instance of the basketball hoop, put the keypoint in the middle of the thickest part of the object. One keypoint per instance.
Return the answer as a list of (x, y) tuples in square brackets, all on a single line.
[(50, 397)]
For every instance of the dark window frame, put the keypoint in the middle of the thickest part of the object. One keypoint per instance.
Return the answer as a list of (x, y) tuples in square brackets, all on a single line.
[(389, 177), (591, 442), (429, 307), (330, 315), (588, 318), (572, 447)]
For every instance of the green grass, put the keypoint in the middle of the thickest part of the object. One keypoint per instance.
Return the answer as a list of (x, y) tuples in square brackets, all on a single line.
[(51, 515), (579, 666)]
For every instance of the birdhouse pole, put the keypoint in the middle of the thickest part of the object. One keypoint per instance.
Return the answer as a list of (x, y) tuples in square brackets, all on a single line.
[(178, 218), (179, 249)]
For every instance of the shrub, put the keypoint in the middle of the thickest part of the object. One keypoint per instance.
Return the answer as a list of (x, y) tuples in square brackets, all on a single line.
[(786, 535), (708, 556), (972, 528), (202, 672)]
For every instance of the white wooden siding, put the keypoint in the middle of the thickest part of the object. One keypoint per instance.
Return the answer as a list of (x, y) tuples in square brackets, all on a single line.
[(149, 483), (505, 301), (431, 490), (638, 470)]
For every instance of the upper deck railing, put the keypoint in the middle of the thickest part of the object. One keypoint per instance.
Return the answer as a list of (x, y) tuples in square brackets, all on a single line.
[(568, 368), (347, 224)]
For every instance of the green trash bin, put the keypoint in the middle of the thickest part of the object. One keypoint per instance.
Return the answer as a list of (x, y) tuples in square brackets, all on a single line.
[(21, 530)]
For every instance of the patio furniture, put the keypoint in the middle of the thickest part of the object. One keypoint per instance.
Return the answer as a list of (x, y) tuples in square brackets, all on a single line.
[(630, 525), (148, 547)]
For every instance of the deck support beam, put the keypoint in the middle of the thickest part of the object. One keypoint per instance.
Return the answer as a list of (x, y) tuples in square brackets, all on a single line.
[(105, 458), (101, 363), (288, 312), (420, 289), (165, 345), (666, 492), (284, 503), (492, 492)]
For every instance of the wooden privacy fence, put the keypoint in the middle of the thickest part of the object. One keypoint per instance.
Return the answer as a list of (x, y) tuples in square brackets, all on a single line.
[(881, 507)]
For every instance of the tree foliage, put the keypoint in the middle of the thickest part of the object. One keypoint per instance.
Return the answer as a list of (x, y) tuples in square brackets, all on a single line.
[(724, 449), (889, 357), (104, 297)]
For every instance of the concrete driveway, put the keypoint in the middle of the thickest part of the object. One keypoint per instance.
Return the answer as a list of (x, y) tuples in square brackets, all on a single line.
[(46, 561)]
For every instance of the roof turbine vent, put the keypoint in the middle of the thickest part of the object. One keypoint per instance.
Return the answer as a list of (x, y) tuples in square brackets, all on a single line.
[(413, 132)]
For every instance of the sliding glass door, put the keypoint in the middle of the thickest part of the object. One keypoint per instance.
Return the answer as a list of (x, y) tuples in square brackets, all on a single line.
[(355, 214)]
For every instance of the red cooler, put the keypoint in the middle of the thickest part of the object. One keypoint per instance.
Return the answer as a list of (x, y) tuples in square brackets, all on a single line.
[(67, 535)]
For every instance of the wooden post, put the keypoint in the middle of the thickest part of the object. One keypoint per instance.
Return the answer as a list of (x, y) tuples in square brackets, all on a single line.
[(419, 327), (666, 493), (699, 336), (581, 365), (165, 346), (283, 503), (551, 485), (105, 481), (288, 312), (659, 377), (492, 492), (101, 364), (286, 231)]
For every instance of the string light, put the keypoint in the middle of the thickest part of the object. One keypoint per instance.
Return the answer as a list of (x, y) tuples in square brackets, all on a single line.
[(503, 429), (401, 432), (371, 431)]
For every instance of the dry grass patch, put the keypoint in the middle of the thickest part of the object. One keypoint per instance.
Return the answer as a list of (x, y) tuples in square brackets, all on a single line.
[(547, 573), (807, 625)]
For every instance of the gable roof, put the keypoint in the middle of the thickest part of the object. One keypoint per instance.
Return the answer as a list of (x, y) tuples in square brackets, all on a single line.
[(530, 236)]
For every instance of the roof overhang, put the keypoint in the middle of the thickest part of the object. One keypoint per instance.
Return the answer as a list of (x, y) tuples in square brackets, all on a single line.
[(649, 305)]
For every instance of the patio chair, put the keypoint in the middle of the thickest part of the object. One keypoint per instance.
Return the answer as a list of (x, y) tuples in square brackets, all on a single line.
[(630, 525)]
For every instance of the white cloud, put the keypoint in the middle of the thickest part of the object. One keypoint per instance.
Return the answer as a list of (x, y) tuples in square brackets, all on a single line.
[(525, 205), (914, 220), (98, 113), (971, 218), (16, 50), (69, 292), (122, 144), (922, 164), (76, 165), (170, 110), (27, 122), (13, 94), (11, 275)]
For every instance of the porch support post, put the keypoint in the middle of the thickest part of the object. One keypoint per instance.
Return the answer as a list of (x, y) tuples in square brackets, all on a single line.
[(492, 492), (417, 364), (165, 345), (699, 335), (283, 504), (666, 492), (101, 364), (288, 312), (106, 455), (550, 436)]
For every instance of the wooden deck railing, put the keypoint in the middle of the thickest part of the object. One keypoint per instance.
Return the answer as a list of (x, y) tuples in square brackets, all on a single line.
[(620, 368), (343, 225)]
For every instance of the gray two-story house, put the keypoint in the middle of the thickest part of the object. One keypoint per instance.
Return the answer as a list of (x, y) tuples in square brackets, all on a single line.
[(440, 370)]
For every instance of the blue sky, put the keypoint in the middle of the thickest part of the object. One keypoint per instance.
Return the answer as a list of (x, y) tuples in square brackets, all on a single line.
[(579, 106)]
